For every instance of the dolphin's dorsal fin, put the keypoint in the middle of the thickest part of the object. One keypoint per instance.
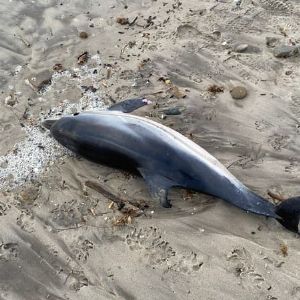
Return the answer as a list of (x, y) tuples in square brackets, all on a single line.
[(158, 186), (129, 105)]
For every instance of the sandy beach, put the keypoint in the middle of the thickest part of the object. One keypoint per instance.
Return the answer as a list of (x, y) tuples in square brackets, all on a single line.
[(223, 73)]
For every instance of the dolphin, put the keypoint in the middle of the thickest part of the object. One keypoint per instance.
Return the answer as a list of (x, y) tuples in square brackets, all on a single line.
[(163, 157)]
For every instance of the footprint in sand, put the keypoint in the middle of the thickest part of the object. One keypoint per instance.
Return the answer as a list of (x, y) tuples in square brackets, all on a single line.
[(278, 142), (277, 5), (149, 239), (187, 31), (3, 208), (187, 264), (9, 251), (243, 267), (76, 280), (82, 248), (158, 252)]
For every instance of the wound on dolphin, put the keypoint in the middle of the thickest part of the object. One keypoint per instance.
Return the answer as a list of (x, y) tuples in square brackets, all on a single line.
[(163, 157)]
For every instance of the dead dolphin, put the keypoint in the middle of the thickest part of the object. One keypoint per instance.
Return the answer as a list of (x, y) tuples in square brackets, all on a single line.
[(163, 157)]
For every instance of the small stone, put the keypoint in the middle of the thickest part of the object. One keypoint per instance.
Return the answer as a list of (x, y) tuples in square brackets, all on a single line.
[(10, 100), (122, 20), (83, 35), (271, 41), (238, 92), (241, 48), (173, 111), (284, 51)]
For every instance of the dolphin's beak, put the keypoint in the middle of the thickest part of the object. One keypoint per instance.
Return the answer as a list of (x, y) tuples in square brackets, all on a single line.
[(48, 123)]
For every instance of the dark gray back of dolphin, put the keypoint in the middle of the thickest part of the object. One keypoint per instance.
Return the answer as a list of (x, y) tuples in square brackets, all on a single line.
[(164, 158)]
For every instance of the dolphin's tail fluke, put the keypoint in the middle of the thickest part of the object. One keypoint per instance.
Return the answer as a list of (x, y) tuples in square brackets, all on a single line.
[(289, 213)]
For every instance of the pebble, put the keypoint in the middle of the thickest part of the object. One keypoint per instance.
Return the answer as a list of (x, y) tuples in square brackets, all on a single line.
[(238, 92), (83, 35), (173, 111), (240, 48), (284, 51), (10, 100), (122, 20), (271, 41)]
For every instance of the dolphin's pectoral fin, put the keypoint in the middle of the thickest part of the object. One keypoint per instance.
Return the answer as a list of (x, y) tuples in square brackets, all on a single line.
[(158, 186), (129, 105)]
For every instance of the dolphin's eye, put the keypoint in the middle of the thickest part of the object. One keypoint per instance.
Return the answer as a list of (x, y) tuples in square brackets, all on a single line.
[(76, 114)]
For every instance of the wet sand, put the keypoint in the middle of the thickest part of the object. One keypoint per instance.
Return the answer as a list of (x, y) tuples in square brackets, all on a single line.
[(63, 240)]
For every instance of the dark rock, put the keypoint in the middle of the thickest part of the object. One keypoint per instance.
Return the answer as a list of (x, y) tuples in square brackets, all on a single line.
[(173, 111), (271, 41), (122, 21), (83, 35), (284, 51)]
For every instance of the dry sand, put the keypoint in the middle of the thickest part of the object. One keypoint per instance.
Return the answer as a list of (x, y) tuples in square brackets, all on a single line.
[(58, 238)]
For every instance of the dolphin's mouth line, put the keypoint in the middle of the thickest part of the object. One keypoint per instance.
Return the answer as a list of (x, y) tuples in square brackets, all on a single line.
[(48, 123)]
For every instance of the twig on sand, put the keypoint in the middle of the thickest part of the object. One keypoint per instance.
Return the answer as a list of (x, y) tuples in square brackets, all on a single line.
[(214, 6), (123, 50), (27, 44), (234, 162), (132, 22), (100, 189), (114, 198)]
